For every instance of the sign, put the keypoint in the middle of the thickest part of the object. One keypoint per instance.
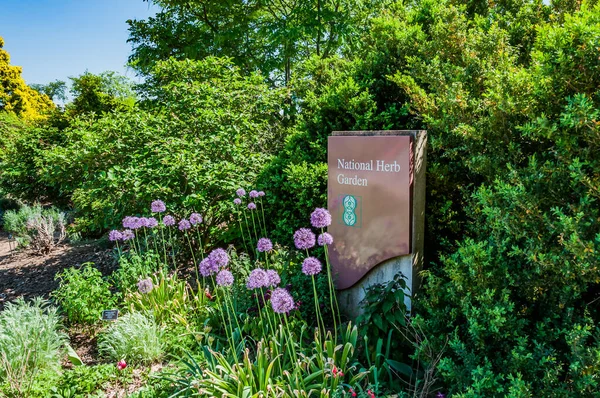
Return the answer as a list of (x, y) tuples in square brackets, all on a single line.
[(369, 197), (110, 315)]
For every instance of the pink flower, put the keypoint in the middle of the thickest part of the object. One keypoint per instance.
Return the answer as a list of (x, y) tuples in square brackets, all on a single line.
[(121, 364)]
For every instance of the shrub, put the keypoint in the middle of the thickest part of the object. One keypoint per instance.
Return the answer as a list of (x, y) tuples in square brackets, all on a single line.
[(83, 294), (206, 130), (30, 344), (135, 337), (36, 227)]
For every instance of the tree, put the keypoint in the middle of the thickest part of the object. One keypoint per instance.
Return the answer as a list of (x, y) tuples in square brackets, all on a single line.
[(105, 92), (56, 90), (267, 35), (18, 97)]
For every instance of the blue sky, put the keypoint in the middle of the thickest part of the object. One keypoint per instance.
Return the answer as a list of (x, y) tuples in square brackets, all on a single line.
[(55, 39)]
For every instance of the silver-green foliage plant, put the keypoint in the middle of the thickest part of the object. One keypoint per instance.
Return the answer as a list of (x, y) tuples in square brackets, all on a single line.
[(31, 342), (136, 338), (36, 227)]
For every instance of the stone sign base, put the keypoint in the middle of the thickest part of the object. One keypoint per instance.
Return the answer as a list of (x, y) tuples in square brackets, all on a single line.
[(349, 299)]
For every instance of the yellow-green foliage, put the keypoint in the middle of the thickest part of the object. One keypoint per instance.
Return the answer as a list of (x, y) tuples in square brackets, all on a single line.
[(18, 97)]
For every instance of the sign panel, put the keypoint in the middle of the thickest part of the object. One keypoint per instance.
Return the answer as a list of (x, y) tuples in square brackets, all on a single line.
[(369, 200), (110, 315)]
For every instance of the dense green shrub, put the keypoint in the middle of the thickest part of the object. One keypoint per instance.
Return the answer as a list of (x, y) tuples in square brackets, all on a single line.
[(83, 294), (134, 337), (31, 343), (204, 131)]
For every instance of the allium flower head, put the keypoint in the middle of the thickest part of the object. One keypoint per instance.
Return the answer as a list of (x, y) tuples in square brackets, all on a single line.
[(311, 266), (143, 222), (261, 193), (264, 245), (240, 192), (184, 225), (304, 239), (168, 221), (252, 206), (158, 206), (127, 222), (320, 218), (224, 278), (219, 258), (136, 223), (253, 194), (282, 301), (145, 286), (258, 278), (325, 239), (274, 279), (114, 235), (127, 235), (237, 201), (195, 218), (207, 267), (152, 222)]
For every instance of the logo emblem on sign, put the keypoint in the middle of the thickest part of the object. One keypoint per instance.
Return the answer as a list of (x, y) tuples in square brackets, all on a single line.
[(349, 215)]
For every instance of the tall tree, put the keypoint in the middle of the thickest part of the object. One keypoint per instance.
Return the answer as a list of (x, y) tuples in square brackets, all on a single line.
[(266, 35), (18, 97)]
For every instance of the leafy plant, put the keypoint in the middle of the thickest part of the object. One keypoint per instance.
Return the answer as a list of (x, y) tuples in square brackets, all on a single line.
[(31, 343), (134, 337), (83, 294), (81, 381)]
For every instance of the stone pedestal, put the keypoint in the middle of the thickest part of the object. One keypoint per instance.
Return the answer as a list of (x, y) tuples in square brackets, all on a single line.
[(409, 264)]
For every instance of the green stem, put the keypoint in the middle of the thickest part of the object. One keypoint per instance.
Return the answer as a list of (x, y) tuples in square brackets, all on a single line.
[(200, 243), (193, 257), (172, 248), (262, 209), (162, 236)]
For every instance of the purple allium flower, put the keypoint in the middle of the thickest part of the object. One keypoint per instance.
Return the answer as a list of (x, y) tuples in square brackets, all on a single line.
[(127, 222), (145, 286), (440, 395), (258, 278), (311, 266), (168, 221), (127, 235), (237, 201), (264, 245), (184, 225), (131, 222), (158, 206), (281, 301), (325, 239), (274, 278), (253, 194), (207, 267), (251, 206), (143, 221), (219, 258), (224, 278), (195, 218), (304, 239), (114, 235), (320, 218), (261, 193), (240, 192), (152, 222)]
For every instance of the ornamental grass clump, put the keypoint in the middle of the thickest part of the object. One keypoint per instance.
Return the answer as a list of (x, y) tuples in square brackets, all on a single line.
[(31, 343), (135, 338)]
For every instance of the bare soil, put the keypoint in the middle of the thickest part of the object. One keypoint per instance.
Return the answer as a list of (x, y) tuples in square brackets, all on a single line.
[(24, 273)]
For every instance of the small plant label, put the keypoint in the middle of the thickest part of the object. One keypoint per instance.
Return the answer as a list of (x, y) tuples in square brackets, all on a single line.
[(110, 315)]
